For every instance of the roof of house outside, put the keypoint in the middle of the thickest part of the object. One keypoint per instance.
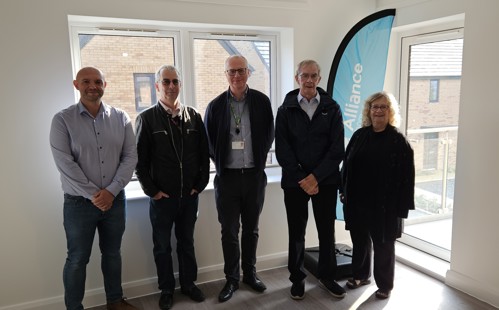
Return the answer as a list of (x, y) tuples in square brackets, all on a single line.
[(442, 58)]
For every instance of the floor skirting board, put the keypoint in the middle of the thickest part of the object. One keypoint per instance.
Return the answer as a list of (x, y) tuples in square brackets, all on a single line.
[(472, 287), (144, 287)]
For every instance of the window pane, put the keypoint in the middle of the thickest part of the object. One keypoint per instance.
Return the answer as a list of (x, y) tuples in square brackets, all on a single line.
[(434, 90), (145, 90), (209, 64), (126, 61), (435, 73), (129, 62)]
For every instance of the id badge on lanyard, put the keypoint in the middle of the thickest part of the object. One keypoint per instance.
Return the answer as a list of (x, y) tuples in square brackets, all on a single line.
[(238, 145)]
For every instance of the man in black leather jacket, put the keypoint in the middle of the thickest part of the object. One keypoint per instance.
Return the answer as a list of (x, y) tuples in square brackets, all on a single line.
[(173, 168)]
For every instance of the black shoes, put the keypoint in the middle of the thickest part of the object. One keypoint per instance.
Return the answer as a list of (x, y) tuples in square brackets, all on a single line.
[(194, 293), (333, 288), (255, 283), (298, 290), (166, 300), (230, 287)]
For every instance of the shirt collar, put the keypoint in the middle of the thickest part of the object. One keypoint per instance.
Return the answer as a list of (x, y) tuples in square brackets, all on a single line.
[(169, 110), (244, 96), (317, 97), (102, 108)]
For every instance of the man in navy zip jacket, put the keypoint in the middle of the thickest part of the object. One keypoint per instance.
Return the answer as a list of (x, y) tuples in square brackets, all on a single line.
[(309, 148), (240, 127)]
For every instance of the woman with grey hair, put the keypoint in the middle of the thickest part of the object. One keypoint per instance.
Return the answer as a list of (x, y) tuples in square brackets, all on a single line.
[(378, 192)]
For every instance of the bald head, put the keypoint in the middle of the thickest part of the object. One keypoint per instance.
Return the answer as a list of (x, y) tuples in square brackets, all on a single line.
[(90, 83), (90, 70)]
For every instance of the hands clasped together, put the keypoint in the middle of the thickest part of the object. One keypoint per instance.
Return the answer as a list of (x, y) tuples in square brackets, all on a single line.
[(103, 200), (310, 185)]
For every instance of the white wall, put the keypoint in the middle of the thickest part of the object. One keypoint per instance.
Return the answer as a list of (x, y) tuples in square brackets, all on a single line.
[(475, 252), (36, 82)]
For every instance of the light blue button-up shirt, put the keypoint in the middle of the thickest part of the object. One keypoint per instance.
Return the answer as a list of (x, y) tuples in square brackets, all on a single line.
[(242, 158), (309, 106), (93, 153)]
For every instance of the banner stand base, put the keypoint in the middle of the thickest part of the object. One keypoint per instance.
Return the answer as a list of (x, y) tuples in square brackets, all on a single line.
[(343, 260)]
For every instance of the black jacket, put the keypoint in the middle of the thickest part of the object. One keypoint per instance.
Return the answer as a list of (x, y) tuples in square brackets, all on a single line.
[(305, 146), (217, 122), (158, 166), (394, 186)]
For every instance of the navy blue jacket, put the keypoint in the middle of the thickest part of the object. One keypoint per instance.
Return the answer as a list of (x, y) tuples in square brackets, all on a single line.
[(305, 145), (217, 122)]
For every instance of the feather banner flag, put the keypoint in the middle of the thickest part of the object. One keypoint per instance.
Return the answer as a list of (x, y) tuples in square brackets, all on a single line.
[(358, 69)]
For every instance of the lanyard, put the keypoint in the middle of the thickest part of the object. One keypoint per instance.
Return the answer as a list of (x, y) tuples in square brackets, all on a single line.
[(237, 118)]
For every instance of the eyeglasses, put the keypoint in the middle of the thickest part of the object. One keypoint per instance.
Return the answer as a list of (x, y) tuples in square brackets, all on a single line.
[(167, 82), (382, 108), (232, 72), (306, 76)]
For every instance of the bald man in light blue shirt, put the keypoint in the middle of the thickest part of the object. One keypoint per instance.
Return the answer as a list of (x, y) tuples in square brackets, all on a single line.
[(94, 149)]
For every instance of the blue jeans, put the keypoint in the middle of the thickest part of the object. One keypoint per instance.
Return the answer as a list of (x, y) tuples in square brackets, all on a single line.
[(81, 220), (164, 214)]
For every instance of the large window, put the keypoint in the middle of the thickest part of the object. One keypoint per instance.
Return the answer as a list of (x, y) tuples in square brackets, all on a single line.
[(129, 60), (209, 58), (130, 52), (431, 68)]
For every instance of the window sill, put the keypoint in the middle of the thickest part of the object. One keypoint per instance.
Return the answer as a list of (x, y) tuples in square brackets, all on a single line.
[(134, 191), (421, 261)]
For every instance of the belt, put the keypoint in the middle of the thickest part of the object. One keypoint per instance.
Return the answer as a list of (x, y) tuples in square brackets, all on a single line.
[(239, 170)]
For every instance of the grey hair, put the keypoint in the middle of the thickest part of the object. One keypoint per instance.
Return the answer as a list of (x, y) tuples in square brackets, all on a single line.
[(307, 62), (167, 68), (235, 56)]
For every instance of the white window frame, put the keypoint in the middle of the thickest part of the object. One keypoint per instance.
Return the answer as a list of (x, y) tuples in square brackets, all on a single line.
[(272, 37), (282, 66), (183, 33), (406, 41), (412, 39)]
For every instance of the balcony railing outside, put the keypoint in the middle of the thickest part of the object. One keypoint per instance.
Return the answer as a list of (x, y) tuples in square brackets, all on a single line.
[(435, 161)]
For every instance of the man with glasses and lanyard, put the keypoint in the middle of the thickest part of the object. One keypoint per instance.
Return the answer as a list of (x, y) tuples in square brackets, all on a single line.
[(240, 127), (173, 168)]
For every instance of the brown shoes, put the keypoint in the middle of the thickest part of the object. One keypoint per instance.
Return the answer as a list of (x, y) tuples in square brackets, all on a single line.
[(380, 294), (353, 283), (121, 305)]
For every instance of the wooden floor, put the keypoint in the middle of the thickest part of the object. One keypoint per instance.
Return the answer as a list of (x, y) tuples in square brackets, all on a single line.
[(413, 290)]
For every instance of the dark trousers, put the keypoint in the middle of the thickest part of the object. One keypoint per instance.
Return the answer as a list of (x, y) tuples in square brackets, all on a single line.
[(324, 208), (183, 213), (239, 195), (384, 258)]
